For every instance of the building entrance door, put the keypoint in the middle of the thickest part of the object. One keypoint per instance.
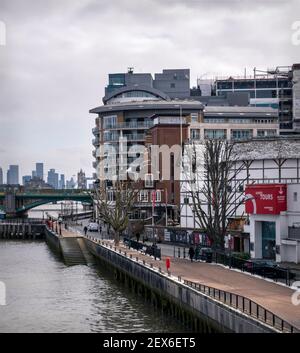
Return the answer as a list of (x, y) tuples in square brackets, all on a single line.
[(268, 240)]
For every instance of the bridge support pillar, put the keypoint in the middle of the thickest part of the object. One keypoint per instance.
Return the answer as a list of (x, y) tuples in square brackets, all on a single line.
[(10, 204)]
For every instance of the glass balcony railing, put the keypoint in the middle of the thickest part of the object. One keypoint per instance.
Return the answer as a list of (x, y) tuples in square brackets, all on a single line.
[(129, 137), (135, 137), (96, 141), (130, 125), (96, 131)]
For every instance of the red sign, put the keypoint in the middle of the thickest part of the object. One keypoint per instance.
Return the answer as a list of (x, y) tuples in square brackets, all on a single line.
[(266, 198)]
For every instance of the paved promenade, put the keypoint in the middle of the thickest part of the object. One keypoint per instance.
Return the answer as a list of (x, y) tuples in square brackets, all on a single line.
[(272, 296)]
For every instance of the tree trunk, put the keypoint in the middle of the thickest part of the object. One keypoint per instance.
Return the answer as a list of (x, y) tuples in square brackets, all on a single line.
[(117, 238)]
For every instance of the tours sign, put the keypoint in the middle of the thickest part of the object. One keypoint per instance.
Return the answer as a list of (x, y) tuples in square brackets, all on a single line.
[(266, 198)]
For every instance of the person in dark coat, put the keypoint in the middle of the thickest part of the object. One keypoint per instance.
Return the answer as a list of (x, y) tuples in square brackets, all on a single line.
[(85, 230), (137, 237), (191, 253)]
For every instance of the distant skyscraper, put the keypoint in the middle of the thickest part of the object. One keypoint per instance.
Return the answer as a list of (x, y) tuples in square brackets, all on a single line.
[(26, 179), (62, 181), (81, 180), (70, 184), (39, 167), (1, 176), (13, 175), (53, 178), (33, 174)]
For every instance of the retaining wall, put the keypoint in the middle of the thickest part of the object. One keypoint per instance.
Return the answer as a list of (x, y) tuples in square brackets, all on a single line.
[(215, 316)]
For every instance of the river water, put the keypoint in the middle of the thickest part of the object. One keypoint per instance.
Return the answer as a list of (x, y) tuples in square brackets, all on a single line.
[(44, 295)]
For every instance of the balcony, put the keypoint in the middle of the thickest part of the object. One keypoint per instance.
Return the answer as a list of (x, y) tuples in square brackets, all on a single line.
[(96, 141), (129, 137), (135, 137), (111, 138), (131, 125)]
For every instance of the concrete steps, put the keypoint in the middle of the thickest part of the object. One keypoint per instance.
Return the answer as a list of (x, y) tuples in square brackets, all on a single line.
[(87, 255), (72, 252)]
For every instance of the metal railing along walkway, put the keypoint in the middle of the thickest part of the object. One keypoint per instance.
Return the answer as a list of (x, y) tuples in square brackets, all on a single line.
[(246, 306)]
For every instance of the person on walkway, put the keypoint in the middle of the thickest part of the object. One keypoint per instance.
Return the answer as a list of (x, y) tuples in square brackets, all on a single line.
[(191, 253), (85, 230), (137, 237)]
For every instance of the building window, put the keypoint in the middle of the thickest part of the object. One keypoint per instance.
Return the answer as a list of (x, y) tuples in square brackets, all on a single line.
[(244, 84), (110, 136), (109, 121), (195, 134), (143, 196), (241, 134), (111, 195), (172, 85), (194, 117), (295, 196), (239, 121), (149, 182), (263, 133), (266, 93), (214, 120), (214, 134), (225, 85), (158, 196), (260, 133)]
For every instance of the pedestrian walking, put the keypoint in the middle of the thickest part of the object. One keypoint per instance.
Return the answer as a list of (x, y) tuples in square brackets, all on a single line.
[(191, 253), (85, 230)]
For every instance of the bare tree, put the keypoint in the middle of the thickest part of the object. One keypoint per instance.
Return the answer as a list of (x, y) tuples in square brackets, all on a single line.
[(211, 173), (114, 203)]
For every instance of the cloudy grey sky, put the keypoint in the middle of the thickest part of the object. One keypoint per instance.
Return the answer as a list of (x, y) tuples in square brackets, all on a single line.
[(58, 53)]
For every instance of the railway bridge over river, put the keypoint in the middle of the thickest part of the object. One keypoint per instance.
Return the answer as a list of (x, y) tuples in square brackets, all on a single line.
[(16, 201)]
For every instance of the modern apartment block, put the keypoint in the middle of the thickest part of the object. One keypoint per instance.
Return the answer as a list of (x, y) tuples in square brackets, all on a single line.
[(278, 88), (234, 123), (143, 111)]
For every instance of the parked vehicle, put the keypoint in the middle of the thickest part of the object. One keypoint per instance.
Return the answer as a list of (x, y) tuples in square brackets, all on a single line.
[(93, 227), (205, 254), (267, 268)]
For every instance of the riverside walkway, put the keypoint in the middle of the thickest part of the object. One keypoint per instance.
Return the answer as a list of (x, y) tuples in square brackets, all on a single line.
[(272, 296)]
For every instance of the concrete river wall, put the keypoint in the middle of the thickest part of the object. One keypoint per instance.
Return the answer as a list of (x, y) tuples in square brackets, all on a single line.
[(193, 308)]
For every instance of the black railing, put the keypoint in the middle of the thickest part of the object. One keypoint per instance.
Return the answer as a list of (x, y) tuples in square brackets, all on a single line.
[(23, 221), (151, 250), (276, 272), (246, 306)]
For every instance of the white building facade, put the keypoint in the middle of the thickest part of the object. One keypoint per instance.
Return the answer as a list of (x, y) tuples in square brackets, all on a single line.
[(264, 162)]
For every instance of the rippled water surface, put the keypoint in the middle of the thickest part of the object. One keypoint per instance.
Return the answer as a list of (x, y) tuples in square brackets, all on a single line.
[(44, 295)]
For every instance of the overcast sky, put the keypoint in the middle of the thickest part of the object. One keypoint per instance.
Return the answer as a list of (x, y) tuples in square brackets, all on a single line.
[(58, 53)]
